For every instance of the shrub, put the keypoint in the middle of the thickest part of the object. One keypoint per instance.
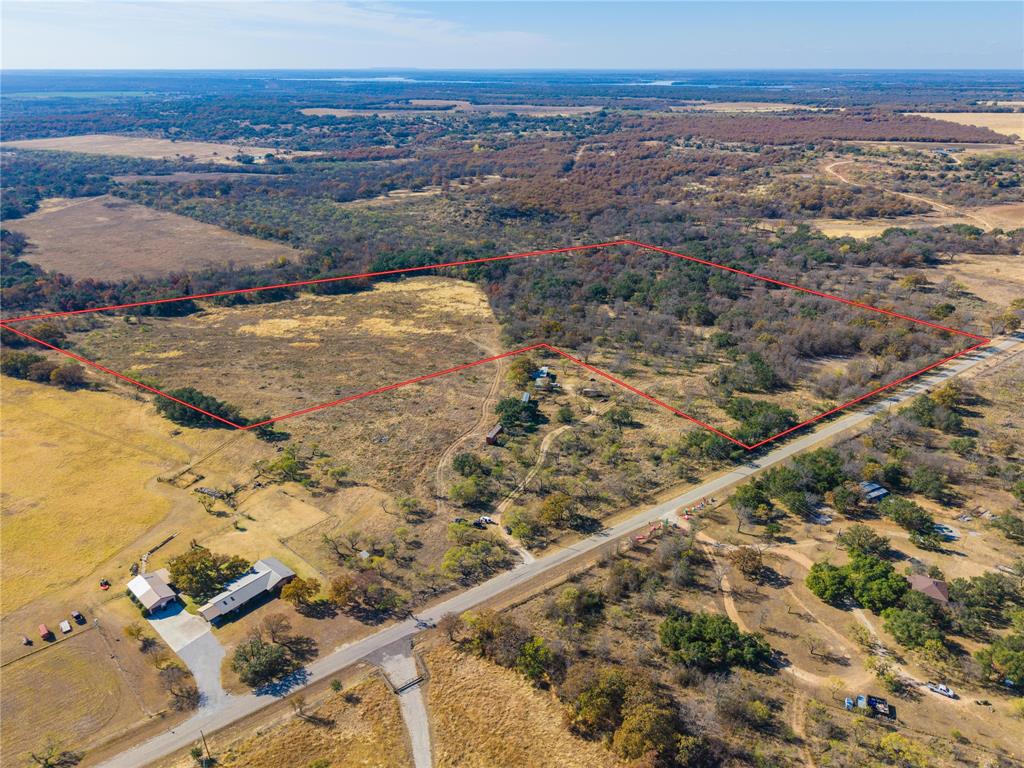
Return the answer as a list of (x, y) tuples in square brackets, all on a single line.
[(258, 662), (859, 539), (712, 641), (188, 417), (828, 583)]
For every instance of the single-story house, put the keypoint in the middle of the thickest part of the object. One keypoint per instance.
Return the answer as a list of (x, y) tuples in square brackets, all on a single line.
[(873, 491), (152, 590), (265, 576), (933, 588)]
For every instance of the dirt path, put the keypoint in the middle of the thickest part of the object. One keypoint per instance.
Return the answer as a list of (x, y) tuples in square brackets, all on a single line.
[(942, 208), (542, 454), (798, 722), (855, 680), (479, 427)]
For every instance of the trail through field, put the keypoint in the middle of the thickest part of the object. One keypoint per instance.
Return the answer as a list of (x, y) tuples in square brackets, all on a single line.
[(478, 428), (542, 454), (798, 722), (942, 208), (713, 547)]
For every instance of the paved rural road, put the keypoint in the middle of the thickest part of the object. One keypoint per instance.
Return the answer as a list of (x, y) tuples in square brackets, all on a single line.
[(234, 708)]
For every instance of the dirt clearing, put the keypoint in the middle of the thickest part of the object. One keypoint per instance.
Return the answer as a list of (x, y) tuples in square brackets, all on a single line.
[(112, 239), (1007, 217)]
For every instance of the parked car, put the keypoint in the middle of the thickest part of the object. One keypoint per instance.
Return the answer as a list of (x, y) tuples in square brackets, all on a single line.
[(78, 617), (942, 689)]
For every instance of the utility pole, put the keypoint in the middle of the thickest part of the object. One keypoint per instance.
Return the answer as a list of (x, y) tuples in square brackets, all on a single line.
[(209, 757)]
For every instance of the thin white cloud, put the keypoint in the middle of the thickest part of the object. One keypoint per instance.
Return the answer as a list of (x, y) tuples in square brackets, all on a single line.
[(327, 33)]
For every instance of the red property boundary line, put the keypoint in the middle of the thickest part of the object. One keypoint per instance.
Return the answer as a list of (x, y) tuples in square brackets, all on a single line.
[(981, 340)]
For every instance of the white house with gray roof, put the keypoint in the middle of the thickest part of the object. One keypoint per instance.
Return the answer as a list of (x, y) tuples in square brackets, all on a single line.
[(266, 575), (152, 590)]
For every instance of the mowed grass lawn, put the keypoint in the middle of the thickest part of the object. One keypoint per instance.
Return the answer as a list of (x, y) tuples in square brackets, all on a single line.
[(78, 473)]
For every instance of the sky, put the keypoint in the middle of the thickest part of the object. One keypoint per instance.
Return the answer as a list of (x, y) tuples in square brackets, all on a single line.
[(329, 34)]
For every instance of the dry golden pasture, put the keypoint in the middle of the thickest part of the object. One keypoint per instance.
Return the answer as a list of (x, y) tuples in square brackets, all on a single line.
[(277, 358), (365, 731), (483, 715), (998, 279), (152, 149), (78, 484), (112, 239), (1006, 123), (71, 691)]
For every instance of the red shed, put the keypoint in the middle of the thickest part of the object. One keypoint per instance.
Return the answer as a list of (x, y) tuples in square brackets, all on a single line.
[(45, 633)]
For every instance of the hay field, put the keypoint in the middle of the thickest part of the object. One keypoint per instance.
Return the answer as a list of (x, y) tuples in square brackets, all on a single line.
[(112, 239), (367, 732), (76, 472), (71, 691), (80, 485), (862, 229), (1008, 216), (152, 149), (1006, 123), (483, 715), (282, 357)]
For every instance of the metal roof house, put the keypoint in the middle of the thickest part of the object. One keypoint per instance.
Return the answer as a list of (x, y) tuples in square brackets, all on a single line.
[(152, 590), (873, 491), (265, 576)]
